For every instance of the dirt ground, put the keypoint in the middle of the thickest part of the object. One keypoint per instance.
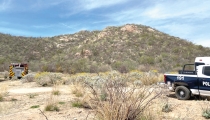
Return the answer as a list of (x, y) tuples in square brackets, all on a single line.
[(20, 97)]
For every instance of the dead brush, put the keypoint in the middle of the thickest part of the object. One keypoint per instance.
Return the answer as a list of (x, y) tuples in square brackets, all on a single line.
[(55, 90), (52, 104), (78, 90), (121, 103)]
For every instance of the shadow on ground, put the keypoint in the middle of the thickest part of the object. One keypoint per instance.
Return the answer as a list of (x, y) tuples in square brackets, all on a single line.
[(196, 97)]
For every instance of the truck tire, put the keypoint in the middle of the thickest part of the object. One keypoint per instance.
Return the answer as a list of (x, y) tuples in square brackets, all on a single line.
[(182, 93)]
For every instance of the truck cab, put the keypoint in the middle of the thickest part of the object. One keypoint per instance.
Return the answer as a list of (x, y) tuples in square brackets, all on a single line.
[(193, 70)]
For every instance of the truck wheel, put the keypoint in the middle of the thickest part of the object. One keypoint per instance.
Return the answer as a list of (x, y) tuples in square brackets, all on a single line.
[(182, 93)]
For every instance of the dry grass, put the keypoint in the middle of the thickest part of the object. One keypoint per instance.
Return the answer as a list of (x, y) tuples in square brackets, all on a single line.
[(52, 104), (112, 95), (151, 78), (78, 90), (55, 90)]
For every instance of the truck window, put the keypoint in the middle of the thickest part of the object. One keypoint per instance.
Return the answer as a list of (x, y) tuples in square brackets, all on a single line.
[(189, 68), (206, 71)]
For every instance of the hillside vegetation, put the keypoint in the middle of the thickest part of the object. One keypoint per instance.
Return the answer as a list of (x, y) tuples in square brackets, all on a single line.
[(123, 48)]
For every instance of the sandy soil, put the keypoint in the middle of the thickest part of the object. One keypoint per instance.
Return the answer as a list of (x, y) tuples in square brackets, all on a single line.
[(20, 97)]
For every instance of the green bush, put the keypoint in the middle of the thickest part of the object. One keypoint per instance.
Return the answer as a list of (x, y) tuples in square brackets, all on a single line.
[(35, 106), (1, 97), (166, 108), (80, 104), (206, 113), (51, 107)]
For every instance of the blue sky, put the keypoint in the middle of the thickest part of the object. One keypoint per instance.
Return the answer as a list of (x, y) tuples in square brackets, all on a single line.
[(187, 19)]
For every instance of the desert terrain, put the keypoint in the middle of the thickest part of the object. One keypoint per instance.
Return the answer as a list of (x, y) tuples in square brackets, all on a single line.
[(27, 101)]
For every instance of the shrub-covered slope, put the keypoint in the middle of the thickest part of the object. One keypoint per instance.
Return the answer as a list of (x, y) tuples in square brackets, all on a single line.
[(122, 48)]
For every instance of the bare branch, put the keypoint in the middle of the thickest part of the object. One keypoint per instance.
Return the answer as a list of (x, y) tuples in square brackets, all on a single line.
[(43, 114)]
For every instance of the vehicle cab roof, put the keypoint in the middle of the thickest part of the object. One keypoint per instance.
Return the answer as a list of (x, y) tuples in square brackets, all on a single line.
[(205, 60)]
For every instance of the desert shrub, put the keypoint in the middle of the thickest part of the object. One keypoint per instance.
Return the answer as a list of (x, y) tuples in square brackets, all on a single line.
[(123, 69), (1, 97), (150, 78), (80, 103), (147, 60), (144, 78), (61, 103), (104, 68), (206, 113), (78, 91), (94, 68), (51, 107), (166, 108), (47, 79), (120, 103), (77, 104), (206, 110), (125, 66), (51, 104), (35, 106), (135, 76), (32, 95), (13, 99), (81, 65), (28, 78), (77, 78), (6, 74), (116, 65), (56, 92)]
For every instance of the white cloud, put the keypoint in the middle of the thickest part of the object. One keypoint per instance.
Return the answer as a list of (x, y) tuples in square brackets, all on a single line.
[(172, 9), (93, 4), (177, 29), (44, 4), (126, 16), (88, 5)]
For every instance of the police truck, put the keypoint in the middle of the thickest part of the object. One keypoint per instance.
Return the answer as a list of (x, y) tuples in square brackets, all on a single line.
[(191, 82)]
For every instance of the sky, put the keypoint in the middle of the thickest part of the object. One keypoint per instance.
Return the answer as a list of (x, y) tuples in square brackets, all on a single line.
[(186, 19)]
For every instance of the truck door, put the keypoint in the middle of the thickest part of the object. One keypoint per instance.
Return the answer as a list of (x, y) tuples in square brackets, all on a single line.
[(204, 80)]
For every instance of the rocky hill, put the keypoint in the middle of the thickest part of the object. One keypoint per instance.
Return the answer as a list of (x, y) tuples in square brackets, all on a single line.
[(122, 48)]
